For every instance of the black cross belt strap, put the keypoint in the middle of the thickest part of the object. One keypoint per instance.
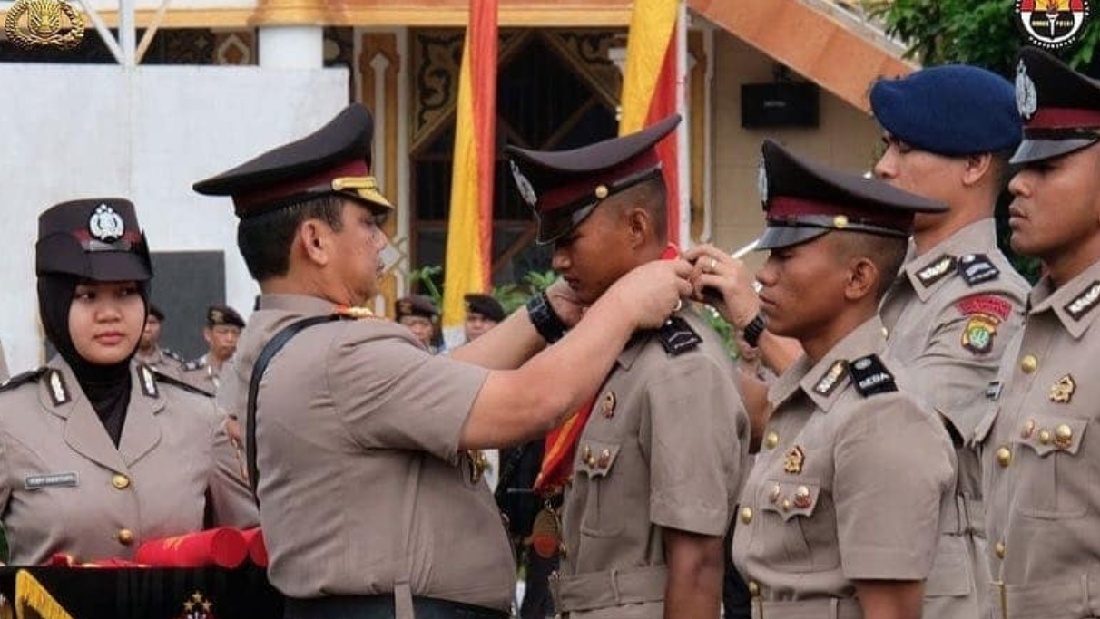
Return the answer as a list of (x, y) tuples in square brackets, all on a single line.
[(273, 346)]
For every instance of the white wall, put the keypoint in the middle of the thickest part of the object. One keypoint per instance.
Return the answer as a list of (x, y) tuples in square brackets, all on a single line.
[(75, 131)]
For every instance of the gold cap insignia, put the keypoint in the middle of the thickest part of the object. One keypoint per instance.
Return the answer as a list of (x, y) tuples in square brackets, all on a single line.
[(601, 192), (44, 23), (793, 461), (1062, 391)]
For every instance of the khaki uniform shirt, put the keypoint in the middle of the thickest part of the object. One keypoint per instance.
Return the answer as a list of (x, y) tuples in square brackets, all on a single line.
[(362, 486), (949, 327), (846, 486), (201, 374), (164, 362), (3, 364), (1041, 458), (65, 487), (666, 446)]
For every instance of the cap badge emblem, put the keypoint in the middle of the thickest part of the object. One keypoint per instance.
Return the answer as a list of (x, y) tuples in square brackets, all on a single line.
[(762, 183), (1026, 100), (105, 224), (526, 190)]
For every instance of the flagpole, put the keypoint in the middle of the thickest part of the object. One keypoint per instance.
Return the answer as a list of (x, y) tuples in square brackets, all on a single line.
[(683, 139)]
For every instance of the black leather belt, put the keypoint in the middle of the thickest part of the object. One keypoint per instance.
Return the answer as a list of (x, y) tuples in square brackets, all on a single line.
[(382, 607)]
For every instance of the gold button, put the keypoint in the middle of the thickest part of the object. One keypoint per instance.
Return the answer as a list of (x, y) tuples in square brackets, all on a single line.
[(1000, 550), (746, 515), (771, 441), (840, 221), (1044, 436), (1004, 456), (786, 505), (120, 481), (601, 192), (125, 537), (1063, 434), (1029, 363), (754, 588), (802, 497), (885, 333)]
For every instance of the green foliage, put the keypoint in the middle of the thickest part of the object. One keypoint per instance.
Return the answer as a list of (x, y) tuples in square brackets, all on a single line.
[(723, 328), (978, 32), (427, 276), (514, 296)]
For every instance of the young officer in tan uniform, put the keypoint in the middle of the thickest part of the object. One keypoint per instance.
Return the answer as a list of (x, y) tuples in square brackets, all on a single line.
[(660, 460), (1042, 439), (369, 504), (839, 515), (98, 454), (957, 302), (222, 330)]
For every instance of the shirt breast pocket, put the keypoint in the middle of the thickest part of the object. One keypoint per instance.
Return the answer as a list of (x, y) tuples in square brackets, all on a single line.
[(799, 516), (1053, 481), (597, 463)]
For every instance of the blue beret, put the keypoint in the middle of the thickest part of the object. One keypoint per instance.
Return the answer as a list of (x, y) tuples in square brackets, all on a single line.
[(949, 110)]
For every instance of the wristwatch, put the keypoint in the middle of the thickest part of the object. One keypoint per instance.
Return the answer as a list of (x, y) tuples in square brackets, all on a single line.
[(754, 330), (546, 320)]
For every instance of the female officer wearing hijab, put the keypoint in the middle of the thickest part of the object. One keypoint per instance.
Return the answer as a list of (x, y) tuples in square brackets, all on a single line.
[(98, 454)]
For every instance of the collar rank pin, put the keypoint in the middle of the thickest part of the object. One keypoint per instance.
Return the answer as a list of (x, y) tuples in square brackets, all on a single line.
[(607, 406), (793, 461), (1062, 391)]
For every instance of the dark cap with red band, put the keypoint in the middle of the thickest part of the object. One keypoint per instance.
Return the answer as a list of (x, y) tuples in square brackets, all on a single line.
[(565, 186), (334, 160), (803, 200), (97, 239), (1060, 108)]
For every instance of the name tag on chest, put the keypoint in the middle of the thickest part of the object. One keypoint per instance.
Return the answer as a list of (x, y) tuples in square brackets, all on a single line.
[(52, 480)]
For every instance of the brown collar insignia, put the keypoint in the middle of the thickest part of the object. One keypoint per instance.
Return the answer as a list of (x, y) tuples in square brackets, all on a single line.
[(1062, 391), (939, 269), (59, 391), (1085, 302), (831, 378), (793, 461), (148, 382)]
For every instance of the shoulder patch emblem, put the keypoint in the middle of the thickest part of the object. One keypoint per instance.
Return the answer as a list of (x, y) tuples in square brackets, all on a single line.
[(832, 377), (977, 336), (1085, 302), (870, 376), (677, 336), (59, 391), (988, 304), (148, 383), (977, 268), (22, 379), (936, 271)]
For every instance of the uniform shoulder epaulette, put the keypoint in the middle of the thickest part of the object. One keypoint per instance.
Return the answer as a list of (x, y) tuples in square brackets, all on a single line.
[(870, 376), (977, 269), (171, 354), (191, 366), (161, 377), (21, 379), (677, 336)]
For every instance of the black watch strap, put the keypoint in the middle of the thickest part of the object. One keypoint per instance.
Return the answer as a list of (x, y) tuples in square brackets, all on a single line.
[(754, 330), (545, 319)]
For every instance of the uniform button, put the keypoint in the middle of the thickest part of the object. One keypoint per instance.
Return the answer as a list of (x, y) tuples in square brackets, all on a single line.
[(1000, 550), (754, 588), (777, 493), (120, 481), (785, 505), (802, 497), (1029, 363), (1029, 429), (1063, 436), (125, 537), (1004, 456), (1044, 437), (885, 333), (771, 441), (746, 515), (562, 550)]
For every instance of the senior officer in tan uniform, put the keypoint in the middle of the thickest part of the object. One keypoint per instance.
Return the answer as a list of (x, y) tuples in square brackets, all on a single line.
[(99, 454), (957, 302), (659, 463), (839, 515), (1042, 439), (369, 504)]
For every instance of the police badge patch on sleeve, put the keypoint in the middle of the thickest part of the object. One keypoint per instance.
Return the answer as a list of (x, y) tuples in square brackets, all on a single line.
[(870, 376)]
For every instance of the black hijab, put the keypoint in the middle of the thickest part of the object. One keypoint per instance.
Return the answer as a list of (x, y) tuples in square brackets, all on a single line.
[(107, 387)]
